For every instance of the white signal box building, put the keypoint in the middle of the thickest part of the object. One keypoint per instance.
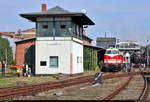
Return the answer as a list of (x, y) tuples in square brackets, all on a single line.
[(59, 45)]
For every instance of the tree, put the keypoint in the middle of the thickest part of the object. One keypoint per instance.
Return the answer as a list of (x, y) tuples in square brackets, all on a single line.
[(5, 51)]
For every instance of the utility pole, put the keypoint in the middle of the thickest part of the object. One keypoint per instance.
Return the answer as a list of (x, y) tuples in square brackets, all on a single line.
[(147, 54), (105, 34), (14, 47), (6, 56)]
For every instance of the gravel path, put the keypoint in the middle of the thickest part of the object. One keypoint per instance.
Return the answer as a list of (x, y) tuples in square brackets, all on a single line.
[(79, 92), (133, 90)]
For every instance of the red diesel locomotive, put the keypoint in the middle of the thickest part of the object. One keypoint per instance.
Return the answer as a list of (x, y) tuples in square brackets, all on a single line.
[(113, 60)]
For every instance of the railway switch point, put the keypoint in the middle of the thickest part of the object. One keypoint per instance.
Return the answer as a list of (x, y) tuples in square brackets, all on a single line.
[(98, 78)]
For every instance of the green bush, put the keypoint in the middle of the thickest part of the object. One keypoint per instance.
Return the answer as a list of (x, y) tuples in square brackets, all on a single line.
[(97, 68), (90, 59)]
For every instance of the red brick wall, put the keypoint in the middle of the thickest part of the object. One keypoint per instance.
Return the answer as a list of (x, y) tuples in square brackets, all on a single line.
[(20, 49)]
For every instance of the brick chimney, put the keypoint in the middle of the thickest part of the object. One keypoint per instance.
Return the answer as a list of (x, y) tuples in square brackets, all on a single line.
[(43, 7)]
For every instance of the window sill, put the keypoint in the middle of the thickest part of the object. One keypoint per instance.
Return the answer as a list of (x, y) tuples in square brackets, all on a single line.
[(53, 67)]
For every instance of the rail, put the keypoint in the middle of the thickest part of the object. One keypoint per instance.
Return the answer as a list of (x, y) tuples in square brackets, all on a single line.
[(10, 92), (143, 95), (113, 94)]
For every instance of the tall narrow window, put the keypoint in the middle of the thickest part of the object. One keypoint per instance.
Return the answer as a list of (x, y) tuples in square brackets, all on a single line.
[(77, 59), (77, 31), (80, 59), (74, 30), (53, 61), (81, 32)]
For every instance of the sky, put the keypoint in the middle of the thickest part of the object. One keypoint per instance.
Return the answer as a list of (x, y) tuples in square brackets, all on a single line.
[(123, 19)]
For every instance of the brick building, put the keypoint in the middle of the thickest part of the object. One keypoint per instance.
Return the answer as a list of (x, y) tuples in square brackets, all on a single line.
[(21, 47), (26, 34)]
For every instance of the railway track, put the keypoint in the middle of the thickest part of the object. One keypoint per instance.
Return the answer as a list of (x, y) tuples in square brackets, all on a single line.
[(114, 93), (130, 90), (146, 88), (133, 90), (10, 92)]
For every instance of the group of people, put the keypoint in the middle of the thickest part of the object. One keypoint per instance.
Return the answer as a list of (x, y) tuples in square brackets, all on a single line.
[(28, 70), (25, 70)]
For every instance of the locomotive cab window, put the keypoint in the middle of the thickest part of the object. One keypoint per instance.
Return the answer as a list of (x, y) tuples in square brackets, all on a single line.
[(114, 52), (108, 52)]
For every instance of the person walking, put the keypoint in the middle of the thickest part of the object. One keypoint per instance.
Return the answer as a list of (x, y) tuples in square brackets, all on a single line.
[(128, 66), (3, 68), (27, 70), (24, 70)]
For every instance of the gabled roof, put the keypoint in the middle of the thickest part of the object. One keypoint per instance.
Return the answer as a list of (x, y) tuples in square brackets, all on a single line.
[(58, 11)]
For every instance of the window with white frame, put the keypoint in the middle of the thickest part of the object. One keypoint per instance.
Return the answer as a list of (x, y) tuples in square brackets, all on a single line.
[(54, 61)]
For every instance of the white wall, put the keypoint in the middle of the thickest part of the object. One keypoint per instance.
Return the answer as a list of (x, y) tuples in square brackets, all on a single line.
[(45, 49), (62, 49), (77, 52)]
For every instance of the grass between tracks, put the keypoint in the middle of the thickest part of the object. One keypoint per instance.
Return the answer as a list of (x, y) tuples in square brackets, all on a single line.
[(24, 80), (15, 80)]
